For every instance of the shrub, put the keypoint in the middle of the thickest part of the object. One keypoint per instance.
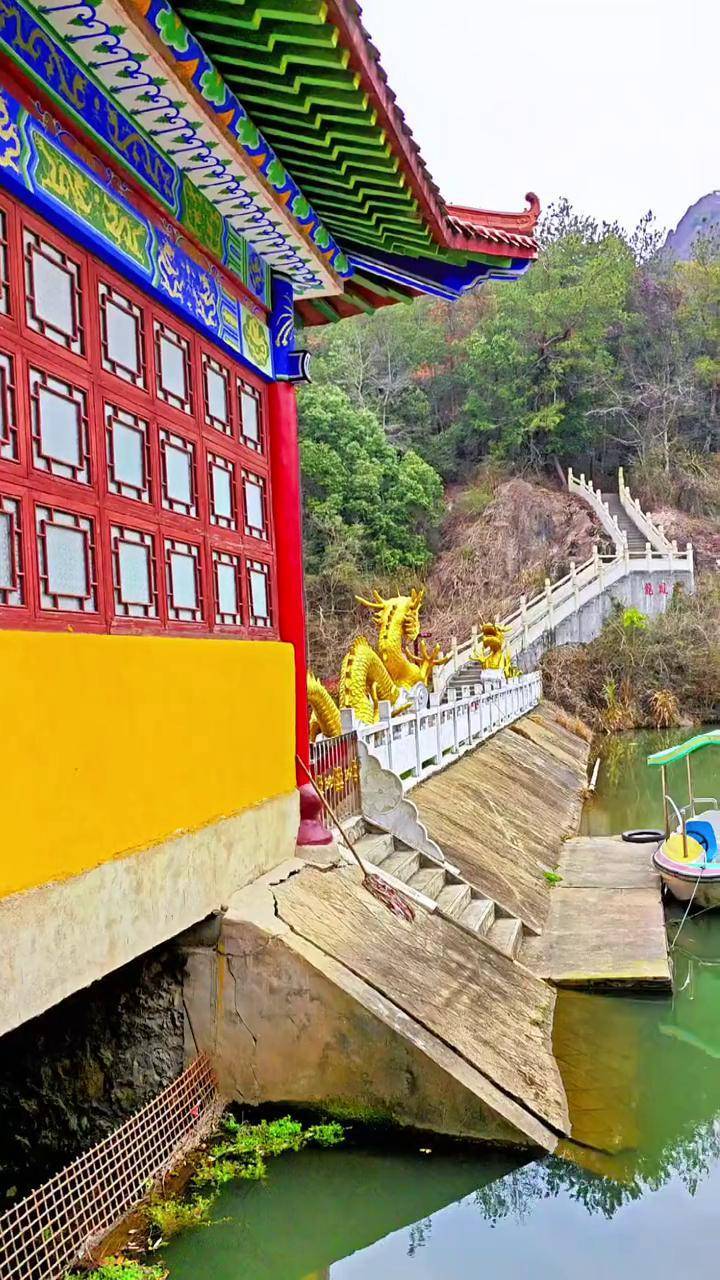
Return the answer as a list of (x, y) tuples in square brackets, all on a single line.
[(170, 1217), (123, 1269)]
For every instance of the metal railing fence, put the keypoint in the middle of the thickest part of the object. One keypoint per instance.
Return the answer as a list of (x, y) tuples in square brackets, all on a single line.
[(56, 1226), (335, 767)]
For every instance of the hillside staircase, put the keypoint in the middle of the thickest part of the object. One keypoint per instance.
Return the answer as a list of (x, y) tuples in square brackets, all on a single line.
[(634, 538), (436, 886), (640, 547)]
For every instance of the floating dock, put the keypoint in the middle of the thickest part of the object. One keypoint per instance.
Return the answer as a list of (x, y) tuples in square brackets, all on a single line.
[(606, 925)]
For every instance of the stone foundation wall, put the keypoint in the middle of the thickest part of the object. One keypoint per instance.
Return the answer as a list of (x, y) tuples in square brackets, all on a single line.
[(72, 1075)]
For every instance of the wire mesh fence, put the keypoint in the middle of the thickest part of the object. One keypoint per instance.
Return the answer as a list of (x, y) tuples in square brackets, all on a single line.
[(336, 770), (58, 1224)]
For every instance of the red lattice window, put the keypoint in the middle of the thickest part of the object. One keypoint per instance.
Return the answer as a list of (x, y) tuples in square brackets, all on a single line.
[(134, 573), (173, 368), (8, 410), (66, 561), (183, 573), (227, 583), (53, 305), (12, 567), (128, 454), (221, 481), (251, 423), (134, 487), (216, 395), (179, 474), (259, 603), (122, 336), (59, 414), (4, 276), (254, 506)]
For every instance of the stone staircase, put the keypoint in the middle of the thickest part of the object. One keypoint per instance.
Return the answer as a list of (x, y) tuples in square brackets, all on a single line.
[(437, 886), (636, 539)]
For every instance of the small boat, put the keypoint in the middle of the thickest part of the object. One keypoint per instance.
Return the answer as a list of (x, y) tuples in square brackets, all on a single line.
[(688, 858)]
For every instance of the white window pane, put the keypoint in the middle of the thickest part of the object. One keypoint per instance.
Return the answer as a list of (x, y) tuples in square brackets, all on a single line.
[(59, 427), (172, 369), (222, 493), (217, 394), (258, 592), (250, 421), (182, 574), (254, 505), (122, 338), (134, 565), (227, 589), (179, 480), (66, 568), (128, 455), (52, 287), (6, 552)]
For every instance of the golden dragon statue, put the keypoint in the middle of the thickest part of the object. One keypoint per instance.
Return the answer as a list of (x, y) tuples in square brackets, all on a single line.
[(492, 651), (367, 677)]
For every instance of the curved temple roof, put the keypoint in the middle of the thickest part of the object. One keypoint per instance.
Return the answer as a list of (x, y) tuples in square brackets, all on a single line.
[(275, 121), (311, 79), (313, 82)]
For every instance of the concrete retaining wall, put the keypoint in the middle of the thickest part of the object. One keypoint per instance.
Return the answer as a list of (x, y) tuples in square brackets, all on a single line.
[(629, 592)]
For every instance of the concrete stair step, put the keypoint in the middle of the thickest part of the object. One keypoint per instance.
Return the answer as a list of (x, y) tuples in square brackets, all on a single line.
[(403, 864), (479, 915), (429, 880), (375, 847), (453, 899), (506, 934)]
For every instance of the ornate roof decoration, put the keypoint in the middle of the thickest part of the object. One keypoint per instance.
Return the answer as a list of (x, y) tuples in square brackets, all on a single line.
[(167, 90), (193, 145), (312, 79)]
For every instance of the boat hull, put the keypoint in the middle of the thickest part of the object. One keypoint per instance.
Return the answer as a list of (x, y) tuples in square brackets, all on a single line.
[(695, 884)]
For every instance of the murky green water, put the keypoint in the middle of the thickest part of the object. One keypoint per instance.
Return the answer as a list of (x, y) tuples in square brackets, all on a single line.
[(643, 1080)]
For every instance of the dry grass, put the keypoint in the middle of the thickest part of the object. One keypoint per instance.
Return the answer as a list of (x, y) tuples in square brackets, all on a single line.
[(574, 724), (664, 674)]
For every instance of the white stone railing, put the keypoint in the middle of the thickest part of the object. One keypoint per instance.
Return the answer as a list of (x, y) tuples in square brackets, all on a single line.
[(654, 533), (418, 743), (586, 490), (535, 618)]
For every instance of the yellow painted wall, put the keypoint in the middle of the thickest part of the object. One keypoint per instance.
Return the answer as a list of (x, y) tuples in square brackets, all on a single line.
[(109, 744)]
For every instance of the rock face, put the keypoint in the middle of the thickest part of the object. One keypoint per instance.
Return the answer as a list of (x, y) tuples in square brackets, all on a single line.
[(71, 1076), (701, 217)]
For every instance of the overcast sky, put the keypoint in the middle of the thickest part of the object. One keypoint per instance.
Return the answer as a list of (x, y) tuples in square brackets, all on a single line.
[(614, 103)]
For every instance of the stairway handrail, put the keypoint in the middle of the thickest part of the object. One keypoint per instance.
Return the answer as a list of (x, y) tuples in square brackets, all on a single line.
[(576, 586), (586, 490), (654, 533)]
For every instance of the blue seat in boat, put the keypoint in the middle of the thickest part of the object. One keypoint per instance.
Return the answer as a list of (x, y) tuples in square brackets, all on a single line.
[(704, 833)]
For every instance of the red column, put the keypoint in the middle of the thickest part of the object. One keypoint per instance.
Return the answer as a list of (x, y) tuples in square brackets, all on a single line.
[(287, 519)]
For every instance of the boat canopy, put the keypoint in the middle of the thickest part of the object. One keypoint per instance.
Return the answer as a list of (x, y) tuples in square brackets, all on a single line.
[(684, 749)]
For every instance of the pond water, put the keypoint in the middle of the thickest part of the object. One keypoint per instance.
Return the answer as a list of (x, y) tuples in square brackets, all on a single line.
[(640, 1194)]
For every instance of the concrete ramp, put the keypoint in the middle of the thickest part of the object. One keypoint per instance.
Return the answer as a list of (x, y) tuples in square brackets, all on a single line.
[(487, 1010), (315, 994), (501, 813)]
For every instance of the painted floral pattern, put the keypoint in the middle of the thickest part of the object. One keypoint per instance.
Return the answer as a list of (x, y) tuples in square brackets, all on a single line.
[(212, 86), (173, 32)]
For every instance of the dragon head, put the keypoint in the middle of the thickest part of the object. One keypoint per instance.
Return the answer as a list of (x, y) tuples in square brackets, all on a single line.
[(406, 608)]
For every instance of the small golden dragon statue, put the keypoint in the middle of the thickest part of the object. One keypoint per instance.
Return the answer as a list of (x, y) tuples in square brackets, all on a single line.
[(492, 651), (368, 678)]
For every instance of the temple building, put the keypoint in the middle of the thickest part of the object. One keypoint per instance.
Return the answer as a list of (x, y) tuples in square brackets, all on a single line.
[(183, 190)]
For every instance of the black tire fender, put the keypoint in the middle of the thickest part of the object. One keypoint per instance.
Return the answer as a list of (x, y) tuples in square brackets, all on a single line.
[(643, 835)]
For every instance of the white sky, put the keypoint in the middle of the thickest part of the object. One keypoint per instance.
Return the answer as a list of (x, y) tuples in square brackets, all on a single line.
[(614, 103)]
